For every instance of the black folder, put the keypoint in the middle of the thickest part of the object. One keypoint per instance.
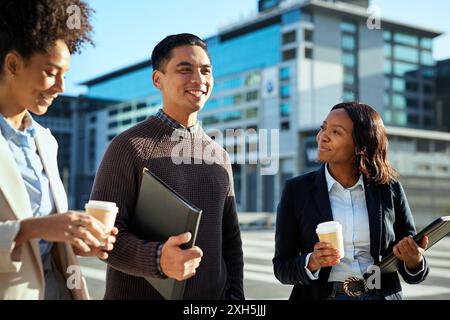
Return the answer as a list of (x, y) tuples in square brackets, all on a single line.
[(161, 213), (435, 232)]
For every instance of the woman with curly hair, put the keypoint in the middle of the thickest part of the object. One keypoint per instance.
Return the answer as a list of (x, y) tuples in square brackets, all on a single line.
[(356, 187), (39, 237)]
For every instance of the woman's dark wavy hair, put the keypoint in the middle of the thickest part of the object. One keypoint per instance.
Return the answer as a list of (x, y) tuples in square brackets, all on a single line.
[(371, 142), (33, 26)]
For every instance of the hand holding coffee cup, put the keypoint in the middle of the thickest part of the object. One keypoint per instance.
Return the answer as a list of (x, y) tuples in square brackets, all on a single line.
[(330, 249), (105, 212)]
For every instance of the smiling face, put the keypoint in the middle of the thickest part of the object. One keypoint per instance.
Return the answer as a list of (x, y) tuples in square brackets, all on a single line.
[(186, 80), (36, 82), (335, 139)]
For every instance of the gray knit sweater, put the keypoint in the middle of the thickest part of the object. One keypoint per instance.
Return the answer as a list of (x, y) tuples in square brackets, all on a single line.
[(208, 186)]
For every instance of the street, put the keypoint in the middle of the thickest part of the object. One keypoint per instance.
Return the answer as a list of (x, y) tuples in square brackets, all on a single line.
[(261, 284)]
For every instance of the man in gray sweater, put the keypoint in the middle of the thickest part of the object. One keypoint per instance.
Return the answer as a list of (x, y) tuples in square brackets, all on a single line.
[(182, 72)]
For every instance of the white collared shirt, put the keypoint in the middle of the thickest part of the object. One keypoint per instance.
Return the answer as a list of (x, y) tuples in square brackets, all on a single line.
[(349, 208)]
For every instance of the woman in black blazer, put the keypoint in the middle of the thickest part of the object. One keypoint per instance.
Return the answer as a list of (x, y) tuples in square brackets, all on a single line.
[(357, 187)]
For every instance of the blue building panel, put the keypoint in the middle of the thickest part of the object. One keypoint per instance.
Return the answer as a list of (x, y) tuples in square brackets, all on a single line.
[(135, 85), (259, 49)]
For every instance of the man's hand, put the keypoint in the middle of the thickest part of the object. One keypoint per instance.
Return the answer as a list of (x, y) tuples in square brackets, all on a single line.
[(177, 263), (411, 253), (100, 252)]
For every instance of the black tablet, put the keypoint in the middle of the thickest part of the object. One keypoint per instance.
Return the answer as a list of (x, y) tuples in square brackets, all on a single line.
[(435, 232)]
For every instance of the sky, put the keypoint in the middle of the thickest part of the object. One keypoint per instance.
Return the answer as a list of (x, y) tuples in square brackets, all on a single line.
[(125, 32)]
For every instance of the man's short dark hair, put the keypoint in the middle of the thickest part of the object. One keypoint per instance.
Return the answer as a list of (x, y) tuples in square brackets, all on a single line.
[(34, 26), (163, 50)]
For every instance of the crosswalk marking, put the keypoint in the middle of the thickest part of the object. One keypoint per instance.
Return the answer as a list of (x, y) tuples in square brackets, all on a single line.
[(410, 291), (261, 277), (259, 268), (95, 274)]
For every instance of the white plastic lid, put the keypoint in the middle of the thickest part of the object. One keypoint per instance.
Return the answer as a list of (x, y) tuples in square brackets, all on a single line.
[(329, 226), (101, 205)]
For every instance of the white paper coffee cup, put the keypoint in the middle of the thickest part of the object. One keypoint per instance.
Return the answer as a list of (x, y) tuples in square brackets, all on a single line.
[(103, 211), (331, 232)]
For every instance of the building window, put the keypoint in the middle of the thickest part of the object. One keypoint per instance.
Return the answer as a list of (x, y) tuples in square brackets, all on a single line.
[(427, 88), (289, 37), (93, 119), (348, 60), (426, 58), (428, 121), (401, 69), (426, 43), (423, 167), (413, 119), (428, 105), (348, 42), (232, 115), (412, 86), (210, 120), (285, 73), (400, 118), (423, 145), (347, 26), (387, 117), (308, 35), (406, 53), (387, 50), (111, 136), (387, 66), (412, 103), (252, 79), (428, 73), (285, 126), (113, 112), (237, 99), (285, 91), (113, 124), (440, 146), (252, 95), (126, 109), (387, 100), (308, 53), (140, 119), (126, 122), (141, 105), (251, 113), (349, 96), (349, 79), (398, 84), (289, 54), (285, 110), (407, 39), (398, 101)]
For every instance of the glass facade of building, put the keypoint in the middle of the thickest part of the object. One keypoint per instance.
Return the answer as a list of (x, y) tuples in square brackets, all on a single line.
[(256, 50), (135, 85), (409, 80)]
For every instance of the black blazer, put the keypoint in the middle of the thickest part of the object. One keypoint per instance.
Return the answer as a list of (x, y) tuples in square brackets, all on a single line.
[(305, 203)]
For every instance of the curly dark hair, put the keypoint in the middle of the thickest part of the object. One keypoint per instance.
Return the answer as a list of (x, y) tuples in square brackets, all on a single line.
[(32, 26), (371, 143)]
